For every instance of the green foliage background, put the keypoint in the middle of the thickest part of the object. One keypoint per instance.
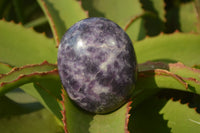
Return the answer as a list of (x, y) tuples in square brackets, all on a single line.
[(166, 38)]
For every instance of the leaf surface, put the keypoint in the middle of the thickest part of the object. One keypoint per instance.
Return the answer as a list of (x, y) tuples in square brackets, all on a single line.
[(189, 17), (136, 29), (47, 85), (177, 47), (62, 15), (158, 76), (45, 96), (181, 118), (20, 46), (188, 74), (118, 11), (91, 123), (156, 115), (31, 121), (126, 14), (29, 47)]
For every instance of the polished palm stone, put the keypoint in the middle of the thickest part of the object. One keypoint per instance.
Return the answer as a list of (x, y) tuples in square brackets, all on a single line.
[(97, 65)]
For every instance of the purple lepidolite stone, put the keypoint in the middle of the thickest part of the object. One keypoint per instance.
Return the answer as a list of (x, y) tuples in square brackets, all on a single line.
[(97, 65)]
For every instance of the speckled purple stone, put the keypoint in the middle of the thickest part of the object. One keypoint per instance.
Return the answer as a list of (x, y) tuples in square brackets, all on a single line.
[(97, 65)]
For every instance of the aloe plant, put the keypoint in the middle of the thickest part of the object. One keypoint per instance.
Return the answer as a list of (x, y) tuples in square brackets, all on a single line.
[(166, 38)]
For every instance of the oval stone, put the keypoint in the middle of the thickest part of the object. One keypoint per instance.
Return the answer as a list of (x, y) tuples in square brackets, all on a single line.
[(97, 65)]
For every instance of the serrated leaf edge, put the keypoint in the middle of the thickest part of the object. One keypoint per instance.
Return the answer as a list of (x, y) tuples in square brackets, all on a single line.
[(55, 32), (181, 65), (26, 66), (164, 73), (179, 101), (176, 32), (29, 28), (63, 111), (85, 11), (52, 72), (195, 108), (22, 76), (127, 116)]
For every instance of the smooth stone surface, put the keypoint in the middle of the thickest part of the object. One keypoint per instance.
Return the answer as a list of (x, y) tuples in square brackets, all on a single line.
[(97, 65)]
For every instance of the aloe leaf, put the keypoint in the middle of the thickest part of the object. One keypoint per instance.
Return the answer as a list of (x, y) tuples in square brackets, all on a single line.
[(189, 17), (62, 14), (26, 74), (183, 72), (28, 47), (156, 80), (163, 116), (188, 74), (145, 118), (27, 70), (91, 123), (119, 11), (129, 18), (21, 46), (177, 47), (180, 117), (150, 81), (45, 97), (39, 120), (158, 76), (106, 123), (46, 80)]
